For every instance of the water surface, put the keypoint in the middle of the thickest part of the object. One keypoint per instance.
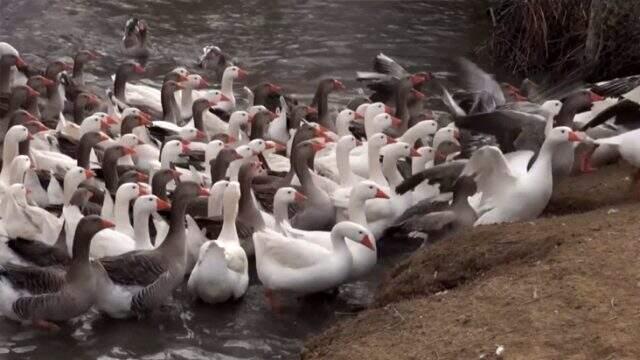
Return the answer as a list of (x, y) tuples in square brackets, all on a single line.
[(292, 43)]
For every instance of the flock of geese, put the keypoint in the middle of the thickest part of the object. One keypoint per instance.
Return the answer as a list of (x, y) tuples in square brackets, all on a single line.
[(112, 200)]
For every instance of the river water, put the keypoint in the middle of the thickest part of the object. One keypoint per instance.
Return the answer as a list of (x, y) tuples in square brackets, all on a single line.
[(291, 43)]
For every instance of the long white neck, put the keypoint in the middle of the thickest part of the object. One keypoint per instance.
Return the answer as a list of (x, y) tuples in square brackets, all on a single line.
[(342, 126), (9, 151), (121, 214), (370, 126), (70, 186), (344, 167), (338, 243), (234, 129), (390, 170), (541, 170), (187, 99), (410, 136), (280, 212), (214, 204), (375, 170), (356, 210), (228, 234), (234, 169), (141, 228), (166, 159), (227, 87)]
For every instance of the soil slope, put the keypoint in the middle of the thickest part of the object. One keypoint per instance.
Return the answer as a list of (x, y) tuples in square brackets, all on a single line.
[(566, 286)]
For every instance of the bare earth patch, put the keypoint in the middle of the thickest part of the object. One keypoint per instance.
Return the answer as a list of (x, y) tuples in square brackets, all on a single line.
[(561, 287)]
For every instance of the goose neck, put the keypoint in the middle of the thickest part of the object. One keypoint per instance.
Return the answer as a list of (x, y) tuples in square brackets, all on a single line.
[(141, 228), (356, 210), (229, 233), (375, 170)]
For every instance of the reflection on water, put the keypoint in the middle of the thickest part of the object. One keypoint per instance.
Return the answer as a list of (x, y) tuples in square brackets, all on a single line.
[(292, 43)]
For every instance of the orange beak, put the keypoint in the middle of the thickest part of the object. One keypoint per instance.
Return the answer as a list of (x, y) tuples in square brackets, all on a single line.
[(129, 151), (595, 97), (299, 197), (138, 69), (574, 137), (203, 191), (107, 224), (162, 205), (381, 195), (391, 140), (200, 135), (185, 146), (31, 92), (359, 116), (224, 97), (20, 63), (366, 241), (396, 122), (311, 110), (242, 74), (142, 177), (203, 84), (388, 110), (89, 174), (29, 136), (142, 190)]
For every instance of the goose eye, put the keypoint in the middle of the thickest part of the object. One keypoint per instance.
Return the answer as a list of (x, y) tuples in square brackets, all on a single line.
[(360, 232), (371, 187), (150, 199)]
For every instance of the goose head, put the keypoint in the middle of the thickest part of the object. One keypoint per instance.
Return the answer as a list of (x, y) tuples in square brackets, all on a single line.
[(348, 143), (84, 56), (426, 153), (130, 140), (288, 195), (137, 112), (217, 190), (18, 193), (562, 134), (354, 232), (146, 204), (552, 106), (130, 68), (398, 150), (97, 122), (231, 193), (19, 166), (216, 96), (172, 86), (245, 151), (446, 134), (39, 83), (384, 121), (378, 140), (425, 128), (134, 33), (257, 145), (18, 133), (87, 99), (12, 60), (77, 175), (366, 190), (56, 67), (371, 110), (21, 117), (173, 149), (234, 72), (344, 119), (195, 81), (213, 149), (212, 56), (240, 118), (200, 105), (361, 110), (130, 191), (192, 134)]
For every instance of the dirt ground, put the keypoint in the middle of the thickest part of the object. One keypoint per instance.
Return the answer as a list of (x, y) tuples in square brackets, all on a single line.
[(565, 286)]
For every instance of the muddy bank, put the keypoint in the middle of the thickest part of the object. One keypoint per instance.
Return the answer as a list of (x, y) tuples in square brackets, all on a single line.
[(564, 286)]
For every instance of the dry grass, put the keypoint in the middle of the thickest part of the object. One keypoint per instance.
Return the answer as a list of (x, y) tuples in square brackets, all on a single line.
[(552, 36)]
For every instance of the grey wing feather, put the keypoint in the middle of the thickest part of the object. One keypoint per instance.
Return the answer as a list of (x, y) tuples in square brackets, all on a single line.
[(154, 295), (33, 279), (386, 65), (136, 268), (477, 81)]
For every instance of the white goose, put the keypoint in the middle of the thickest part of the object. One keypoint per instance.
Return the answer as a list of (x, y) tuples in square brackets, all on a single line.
[(230, 74), (222, 270), (19, 219), (507, 191), (300, 267)]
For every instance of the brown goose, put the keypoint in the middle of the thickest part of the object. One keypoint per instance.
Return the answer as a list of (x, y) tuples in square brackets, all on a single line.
[(140, 281), (319, 212), (41, 295), (321, 101), (54, 103)]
